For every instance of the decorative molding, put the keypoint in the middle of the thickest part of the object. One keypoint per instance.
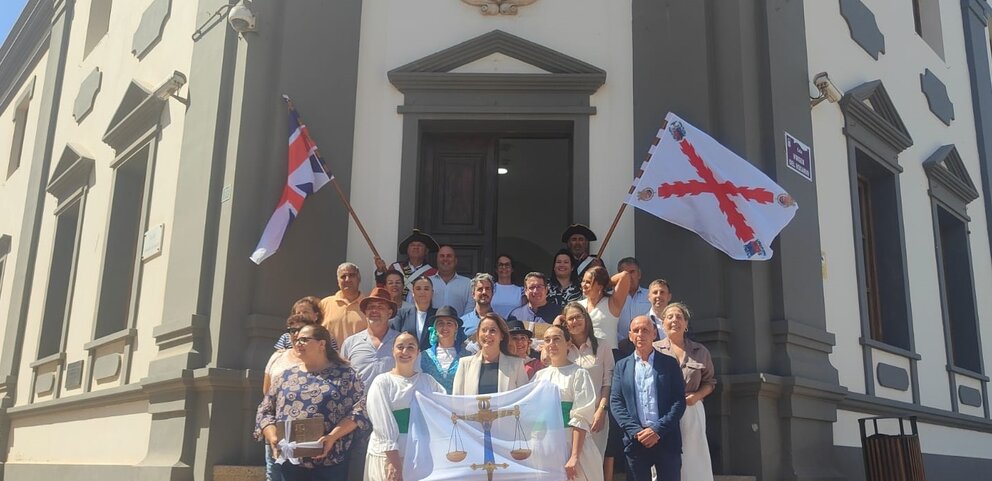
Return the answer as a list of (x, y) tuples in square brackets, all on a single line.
[(24, 46), (70, 174), (937, 99), (86, 97), (5, 241), (970, 396), (870, 105), (139, 112), (893, 377), (945, 168), (981, 10), (433, 72), (886, 407), (151, 27), (107, 366), (44, 383), (126, 335), (864, 29), (499, 7)]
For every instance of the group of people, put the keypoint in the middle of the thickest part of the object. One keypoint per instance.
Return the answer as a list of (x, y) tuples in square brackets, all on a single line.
[(630, 379)]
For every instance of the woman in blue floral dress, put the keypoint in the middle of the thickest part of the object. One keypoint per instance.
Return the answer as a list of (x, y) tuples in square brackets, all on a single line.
[(322, 386)]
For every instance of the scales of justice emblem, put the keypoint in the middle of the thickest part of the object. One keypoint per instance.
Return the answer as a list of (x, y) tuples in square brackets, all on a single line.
[(519, 451)]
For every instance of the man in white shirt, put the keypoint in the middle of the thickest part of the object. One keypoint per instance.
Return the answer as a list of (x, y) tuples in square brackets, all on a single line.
[(637, 298), (450, 288)]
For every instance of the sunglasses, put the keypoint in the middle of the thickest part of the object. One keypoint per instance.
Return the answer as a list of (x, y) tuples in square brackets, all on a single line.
[(303, 340), (293, 330)]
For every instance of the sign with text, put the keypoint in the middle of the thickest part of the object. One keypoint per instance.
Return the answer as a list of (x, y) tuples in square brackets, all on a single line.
[(799, 157)]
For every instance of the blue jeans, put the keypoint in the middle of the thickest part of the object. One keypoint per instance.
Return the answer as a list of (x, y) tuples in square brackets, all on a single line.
[(640, 459), (335, 472), (272, 472)]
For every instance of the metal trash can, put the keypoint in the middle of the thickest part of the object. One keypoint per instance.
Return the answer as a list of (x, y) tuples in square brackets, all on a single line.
[(892, 457)]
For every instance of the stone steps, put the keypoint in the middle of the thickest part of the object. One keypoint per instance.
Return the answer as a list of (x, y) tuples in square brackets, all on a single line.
[(257, 473)]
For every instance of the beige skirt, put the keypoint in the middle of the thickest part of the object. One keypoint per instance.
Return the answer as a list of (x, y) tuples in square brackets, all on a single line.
[(375, 467)]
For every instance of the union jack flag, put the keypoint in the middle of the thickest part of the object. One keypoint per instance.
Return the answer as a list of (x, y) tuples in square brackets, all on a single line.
[(306, 176)]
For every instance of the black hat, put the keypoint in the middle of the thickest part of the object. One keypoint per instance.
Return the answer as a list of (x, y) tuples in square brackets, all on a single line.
[(580, 229), (417, 236), (517, 327), (448, 311)]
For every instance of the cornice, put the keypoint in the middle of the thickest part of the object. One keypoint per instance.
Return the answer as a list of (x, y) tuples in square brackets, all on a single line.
[(27, 41)]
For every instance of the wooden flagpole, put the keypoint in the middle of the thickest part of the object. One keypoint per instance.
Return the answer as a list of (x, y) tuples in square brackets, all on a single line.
[(623, 205), (337, 187)]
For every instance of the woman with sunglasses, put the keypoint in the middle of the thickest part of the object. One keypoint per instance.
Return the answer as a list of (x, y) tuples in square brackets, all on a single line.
[(323, 386), (308, 306), (388, 404), (280, 361)]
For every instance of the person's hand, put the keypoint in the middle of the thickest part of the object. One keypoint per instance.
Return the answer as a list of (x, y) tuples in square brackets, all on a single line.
[(559, 321), (572, 467), (692, 398), (648, 437), (380, 265), (328, 441), (393, 472), (598, 420)]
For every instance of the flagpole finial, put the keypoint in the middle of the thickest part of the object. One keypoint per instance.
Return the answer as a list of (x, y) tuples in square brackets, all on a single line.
[(286, 98)]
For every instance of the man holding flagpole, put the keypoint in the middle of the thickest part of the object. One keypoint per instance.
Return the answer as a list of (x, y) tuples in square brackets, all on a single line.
[(416, 246)]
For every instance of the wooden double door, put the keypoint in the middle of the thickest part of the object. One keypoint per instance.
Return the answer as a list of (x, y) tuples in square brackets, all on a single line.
[(487, 193)]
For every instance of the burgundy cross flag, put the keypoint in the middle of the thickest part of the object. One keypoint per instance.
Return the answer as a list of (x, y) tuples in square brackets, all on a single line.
[(306, 176), (692, 181)]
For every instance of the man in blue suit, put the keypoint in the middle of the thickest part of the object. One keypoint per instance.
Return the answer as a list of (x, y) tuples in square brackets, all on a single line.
[(647, 399)]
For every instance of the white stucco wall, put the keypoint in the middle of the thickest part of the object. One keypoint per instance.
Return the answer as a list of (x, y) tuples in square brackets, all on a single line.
[(396, 32), (106, 435), (14, 188), (112, 55), (906, 56)]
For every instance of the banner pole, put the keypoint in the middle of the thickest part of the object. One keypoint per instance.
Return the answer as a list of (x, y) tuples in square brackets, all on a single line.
[(616, 220), (337, 187)]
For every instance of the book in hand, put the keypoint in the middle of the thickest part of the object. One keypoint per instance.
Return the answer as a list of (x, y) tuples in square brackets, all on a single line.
[(303, 431)]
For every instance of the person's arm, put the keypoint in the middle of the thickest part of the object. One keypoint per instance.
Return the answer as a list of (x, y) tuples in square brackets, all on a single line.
[(707, 382), (380, 413), (265, 419), (394, 466), (357, 420), (343, 428), (676, 389), (571, 466), (618, 405), (621, 286)]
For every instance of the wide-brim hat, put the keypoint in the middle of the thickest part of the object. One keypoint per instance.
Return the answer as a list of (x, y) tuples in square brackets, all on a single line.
[(517, 327), (417, 236), (580, 229), (449, 312), (378, 294)]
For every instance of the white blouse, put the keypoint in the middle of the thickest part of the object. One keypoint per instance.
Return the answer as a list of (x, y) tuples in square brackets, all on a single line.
[(388, 396)]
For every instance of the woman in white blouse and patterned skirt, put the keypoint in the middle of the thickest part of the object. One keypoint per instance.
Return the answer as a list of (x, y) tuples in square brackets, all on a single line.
[(388, 405), (578, 406)]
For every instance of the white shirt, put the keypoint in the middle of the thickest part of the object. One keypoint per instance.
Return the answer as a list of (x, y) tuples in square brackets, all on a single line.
[(657, 324), (456, 293), (388, 394), (644, 385), (637, 302), (421, 320)]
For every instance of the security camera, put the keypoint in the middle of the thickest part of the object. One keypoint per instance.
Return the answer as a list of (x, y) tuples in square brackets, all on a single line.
[(827, 90), (241, 18)]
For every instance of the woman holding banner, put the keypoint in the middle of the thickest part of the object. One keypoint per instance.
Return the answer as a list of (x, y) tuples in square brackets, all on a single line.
[(388, 406), (578, 405), (324, 387), (493, 368)]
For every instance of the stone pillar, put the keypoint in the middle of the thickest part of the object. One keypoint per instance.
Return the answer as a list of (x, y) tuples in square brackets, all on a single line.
[(34, 206), (738, 70)]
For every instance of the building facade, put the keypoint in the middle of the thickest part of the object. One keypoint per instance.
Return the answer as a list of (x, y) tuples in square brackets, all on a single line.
[(146, 146)]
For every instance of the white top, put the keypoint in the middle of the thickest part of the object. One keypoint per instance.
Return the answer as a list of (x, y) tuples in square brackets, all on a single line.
[(278, 363), (507, 298), (392, 392), (576, 387), (604, 323), (446, 356), (456, 293), (599, 364)]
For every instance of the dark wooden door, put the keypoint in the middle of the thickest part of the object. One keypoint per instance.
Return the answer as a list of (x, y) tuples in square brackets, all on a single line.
[(457, 195)]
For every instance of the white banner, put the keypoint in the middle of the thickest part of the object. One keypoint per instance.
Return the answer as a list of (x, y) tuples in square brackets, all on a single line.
[(517, 435), (692, 181)]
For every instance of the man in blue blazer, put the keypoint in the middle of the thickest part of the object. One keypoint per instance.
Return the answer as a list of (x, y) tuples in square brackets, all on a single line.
[(647, 399), (408, 319)]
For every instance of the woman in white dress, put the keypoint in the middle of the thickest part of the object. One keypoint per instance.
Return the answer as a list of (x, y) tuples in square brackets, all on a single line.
[(578, 405), (388, 406), (603, 309), (507, 296), (700, 381)]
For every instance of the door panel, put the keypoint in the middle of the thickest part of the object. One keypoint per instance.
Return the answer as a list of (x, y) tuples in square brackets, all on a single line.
[(456, 204)]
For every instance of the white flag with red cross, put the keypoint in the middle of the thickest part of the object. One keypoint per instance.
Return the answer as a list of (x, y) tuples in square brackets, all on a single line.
[(691, 180)]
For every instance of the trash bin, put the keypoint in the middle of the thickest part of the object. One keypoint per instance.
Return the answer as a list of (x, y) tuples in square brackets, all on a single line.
[(892, 457)]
